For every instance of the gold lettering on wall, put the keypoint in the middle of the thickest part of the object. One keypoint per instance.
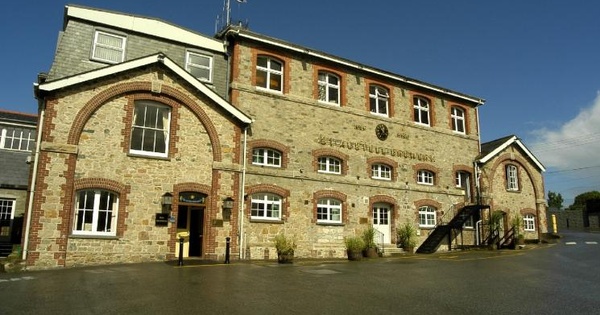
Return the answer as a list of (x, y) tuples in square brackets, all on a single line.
[(363, 146)]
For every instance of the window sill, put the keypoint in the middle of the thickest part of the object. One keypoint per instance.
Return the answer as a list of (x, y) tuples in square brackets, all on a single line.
[(266, 221), (90, 236), (135, 155), (330, 224)]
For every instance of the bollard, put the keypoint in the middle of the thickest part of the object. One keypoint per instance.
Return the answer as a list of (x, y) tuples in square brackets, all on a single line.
[(228, 241), (180, 251)]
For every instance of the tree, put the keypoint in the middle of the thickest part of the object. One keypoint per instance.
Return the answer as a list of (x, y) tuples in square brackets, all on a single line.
[(555, 200), (581, 199)]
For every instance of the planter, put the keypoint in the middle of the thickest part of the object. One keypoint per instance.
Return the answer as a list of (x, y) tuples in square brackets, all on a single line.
[(355, 254), (409, 249), (285, 258), (371, 252)]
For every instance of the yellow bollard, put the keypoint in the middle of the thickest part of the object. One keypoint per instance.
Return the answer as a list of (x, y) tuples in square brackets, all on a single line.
[(554, 223)]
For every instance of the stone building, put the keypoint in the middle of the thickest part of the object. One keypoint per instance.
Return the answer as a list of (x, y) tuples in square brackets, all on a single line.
[(154, 136), (512, 184), (17, 142)]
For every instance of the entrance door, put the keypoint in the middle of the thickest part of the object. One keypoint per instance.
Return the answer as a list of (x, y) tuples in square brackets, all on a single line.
[(196, 231), (381, 222)]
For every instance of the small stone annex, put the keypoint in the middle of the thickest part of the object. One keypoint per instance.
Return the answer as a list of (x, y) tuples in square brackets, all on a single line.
[(158, 143)]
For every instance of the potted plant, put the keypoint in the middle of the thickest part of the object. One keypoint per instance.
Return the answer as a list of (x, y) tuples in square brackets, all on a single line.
[(368, 237), (407, 237), (285, 247), (517, 225), (354, 247)]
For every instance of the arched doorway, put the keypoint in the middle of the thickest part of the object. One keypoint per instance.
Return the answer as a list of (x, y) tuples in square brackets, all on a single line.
[(190, 223)]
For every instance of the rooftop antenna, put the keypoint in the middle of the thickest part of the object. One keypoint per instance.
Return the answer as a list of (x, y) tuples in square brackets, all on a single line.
[(227, 14)]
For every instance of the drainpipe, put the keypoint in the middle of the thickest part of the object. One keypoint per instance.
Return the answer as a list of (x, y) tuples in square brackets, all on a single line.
[(241, 238), (34, 176)]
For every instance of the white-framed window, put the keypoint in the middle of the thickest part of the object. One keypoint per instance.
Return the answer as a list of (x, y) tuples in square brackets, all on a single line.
[(96, 213), (329, 210), (379, 100), (108, 47), (381, 171), (425, 177), (463, 180), (269, 74), (421, 110), (329, 88), (7, 207), (199, 65), (329, 164), (469, 223), (19, 139), (458, 119), (265, 206), (512, 179), (529, 222), (266, 157), (150, 129), (427, 216)]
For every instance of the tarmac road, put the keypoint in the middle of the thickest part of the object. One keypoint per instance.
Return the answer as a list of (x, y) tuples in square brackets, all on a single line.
[(542, 279)]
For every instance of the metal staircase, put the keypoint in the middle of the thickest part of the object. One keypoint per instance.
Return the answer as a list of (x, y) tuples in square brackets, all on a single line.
[(433, 241)]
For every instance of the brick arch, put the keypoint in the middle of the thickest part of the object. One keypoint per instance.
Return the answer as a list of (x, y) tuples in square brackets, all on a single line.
[(143, 88), (528, 211), (107, 184)]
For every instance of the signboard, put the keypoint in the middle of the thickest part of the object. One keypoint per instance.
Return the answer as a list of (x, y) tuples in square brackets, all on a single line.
[(162, 219)]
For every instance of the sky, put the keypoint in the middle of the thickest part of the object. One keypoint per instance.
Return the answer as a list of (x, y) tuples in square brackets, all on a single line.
[(535, 62)]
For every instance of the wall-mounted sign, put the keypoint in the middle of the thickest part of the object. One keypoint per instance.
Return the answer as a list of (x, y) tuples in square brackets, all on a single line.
[(192, 197), (162, 219)]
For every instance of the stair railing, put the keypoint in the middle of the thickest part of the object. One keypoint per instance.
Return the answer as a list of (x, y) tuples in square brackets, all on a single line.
[(381, 244)]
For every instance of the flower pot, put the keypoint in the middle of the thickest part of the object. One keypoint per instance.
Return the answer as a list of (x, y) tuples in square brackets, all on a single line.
[(355, 254), (371, 252)]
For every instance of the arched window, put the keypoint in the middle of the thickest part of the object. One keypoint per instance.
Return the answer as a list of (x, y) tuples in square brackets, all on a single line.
[(421, 110), (512, 177), (458, 119), (427, 216), (266, 157), (329, 210), (329, 87), (379, 100), (265, 206), (381, 171), (269, 73), (96, 212), (329, 164), (425, 177)]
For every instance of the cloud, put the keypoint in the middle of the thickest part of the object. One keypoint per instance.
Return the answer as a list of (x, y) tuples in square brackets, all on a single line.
[(572, 145)]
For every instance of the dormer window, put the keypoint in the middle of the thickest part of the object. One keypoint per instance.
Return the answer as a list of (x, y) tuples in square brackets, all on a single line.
[(108, 47), (199, 65)]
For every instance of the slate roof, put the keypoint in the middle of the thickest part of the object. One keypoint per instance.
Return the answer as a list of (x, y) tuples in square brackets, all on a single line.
[(493, 148)]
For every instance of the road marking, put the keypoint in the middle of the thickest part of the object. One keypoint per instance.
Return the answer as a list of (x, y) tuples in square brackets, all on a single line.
[(571, 243), (592, 243), (16, 279)]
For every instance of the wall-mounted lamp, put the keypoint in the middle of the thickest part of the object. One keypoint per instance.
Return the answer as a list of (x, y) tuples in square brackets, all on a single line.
[(167, 201), (227, 207)]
